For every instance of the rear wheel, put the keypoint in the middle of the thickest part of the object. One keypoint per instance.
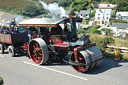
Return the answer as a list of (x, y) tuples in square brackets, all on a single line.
[(38, 51), (11, 51), (1, 49), (81, 59)]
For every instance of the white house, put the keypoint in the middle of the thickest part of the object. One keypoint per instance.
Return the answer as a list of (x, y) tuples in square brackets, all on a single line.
[(119, 29), (123, 15), (84, 14), (102, 17), (107, 6)]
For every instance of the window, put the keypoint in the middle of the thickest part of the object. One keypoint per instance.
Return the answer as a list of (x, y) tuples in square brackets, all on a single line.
[(98, 14), (98, 17), (99, 22)]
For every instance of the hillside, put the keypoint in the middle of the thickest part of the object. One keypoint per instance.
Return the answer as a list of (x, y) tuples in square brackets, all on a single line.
[(33, 8), (18, 4)]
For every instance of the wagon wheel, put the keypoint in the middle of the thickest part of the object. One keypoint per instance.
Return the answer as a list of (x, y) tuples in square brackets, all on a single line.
[(81, 59), (1, 49), (11, 51), (38, 51)]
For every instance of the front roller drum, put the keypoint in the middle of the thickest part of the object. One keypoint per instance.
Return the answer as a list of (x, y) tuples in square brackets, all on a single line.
[(89, 58), (38, 51)]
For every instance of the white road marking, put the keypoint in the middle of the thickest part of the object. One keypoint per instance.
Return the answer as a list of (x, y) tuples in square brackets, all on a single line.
[(56, 71), (1, 56)]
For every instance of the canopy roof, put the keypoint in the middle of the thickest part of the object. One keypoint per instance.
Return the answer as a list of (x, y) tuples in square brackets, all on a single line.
[(45, 22), (42, 22)]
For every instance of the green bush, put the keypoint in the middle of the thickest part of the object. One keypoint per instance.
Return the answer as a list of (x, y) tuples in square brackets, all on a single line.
[(1, 81), (92, 14), (125, 56), (107, 31), (80, 31), (109, 55), (95, 27), (95, 31), (104, 42), (108, 40)]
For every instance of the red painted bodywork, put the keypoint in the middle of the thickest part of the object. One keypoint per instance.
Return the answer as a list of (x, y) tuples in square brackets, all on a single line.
[(80, 48), (13, 38)]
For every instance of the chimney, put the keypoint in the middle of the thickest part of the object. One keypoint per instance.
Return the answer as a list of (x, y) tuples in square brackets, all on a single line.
[(72, 16)]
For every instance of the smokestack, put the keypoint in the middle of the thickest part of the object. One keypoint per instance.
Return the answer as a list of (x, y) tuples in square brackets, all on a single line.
[(72, 16)]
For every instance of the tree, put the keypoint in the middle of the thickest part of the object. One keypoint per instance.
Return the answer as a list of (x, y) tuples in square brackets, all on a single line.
[(78, 5), (122, 6), (92, 14), (31, 10)]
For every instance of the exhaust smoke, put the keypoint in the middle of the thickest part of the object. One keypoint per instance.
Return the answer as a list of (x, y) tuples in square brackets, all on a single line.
[(54, 9)]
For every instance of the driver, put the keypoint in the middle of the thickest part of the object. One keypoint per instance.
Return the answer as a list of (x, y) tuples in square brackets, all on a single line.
[(56, 30), (32, 32)]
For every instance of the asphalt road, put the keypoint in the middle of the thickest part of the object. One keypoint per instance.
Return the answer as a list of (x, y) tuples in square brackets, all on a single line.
[(22, 71)]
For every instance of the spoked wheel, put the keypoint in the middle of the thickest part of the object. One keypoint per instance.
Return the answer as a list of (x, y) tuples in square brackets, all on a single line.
[(11, 51), (38, 51), (81, 59), (1, 49)]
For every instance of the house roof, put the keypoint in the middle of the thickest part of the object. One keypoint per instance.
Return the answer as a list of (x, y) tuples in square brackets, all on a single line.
[(84, 12), (125, 13), (104, 11), (120, 25), (7, 15), (107, 5)]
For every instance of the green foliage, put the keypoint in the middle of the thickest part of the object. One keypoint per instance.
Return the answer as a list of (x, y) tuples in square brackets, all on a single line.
[(96, 26), (92, 14), (109, 55), (1, 81), (107, 31), (108, 40), (104, 42), (64, 3), (31, 10), (94, 29), (78, 5), (80, 31), (122, 6), (124, 56)]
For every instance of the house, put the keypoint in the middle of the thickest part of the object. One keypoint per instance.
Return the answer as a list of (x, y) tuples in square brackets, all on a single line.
[(102, 17), (84, 14), (6, 18), (123, 15), (119, 29), (107, 6)]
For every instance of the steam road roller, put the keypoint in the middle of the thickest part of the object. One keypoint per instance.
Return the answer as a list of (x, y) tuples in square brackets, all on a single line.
[(57, 38)]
